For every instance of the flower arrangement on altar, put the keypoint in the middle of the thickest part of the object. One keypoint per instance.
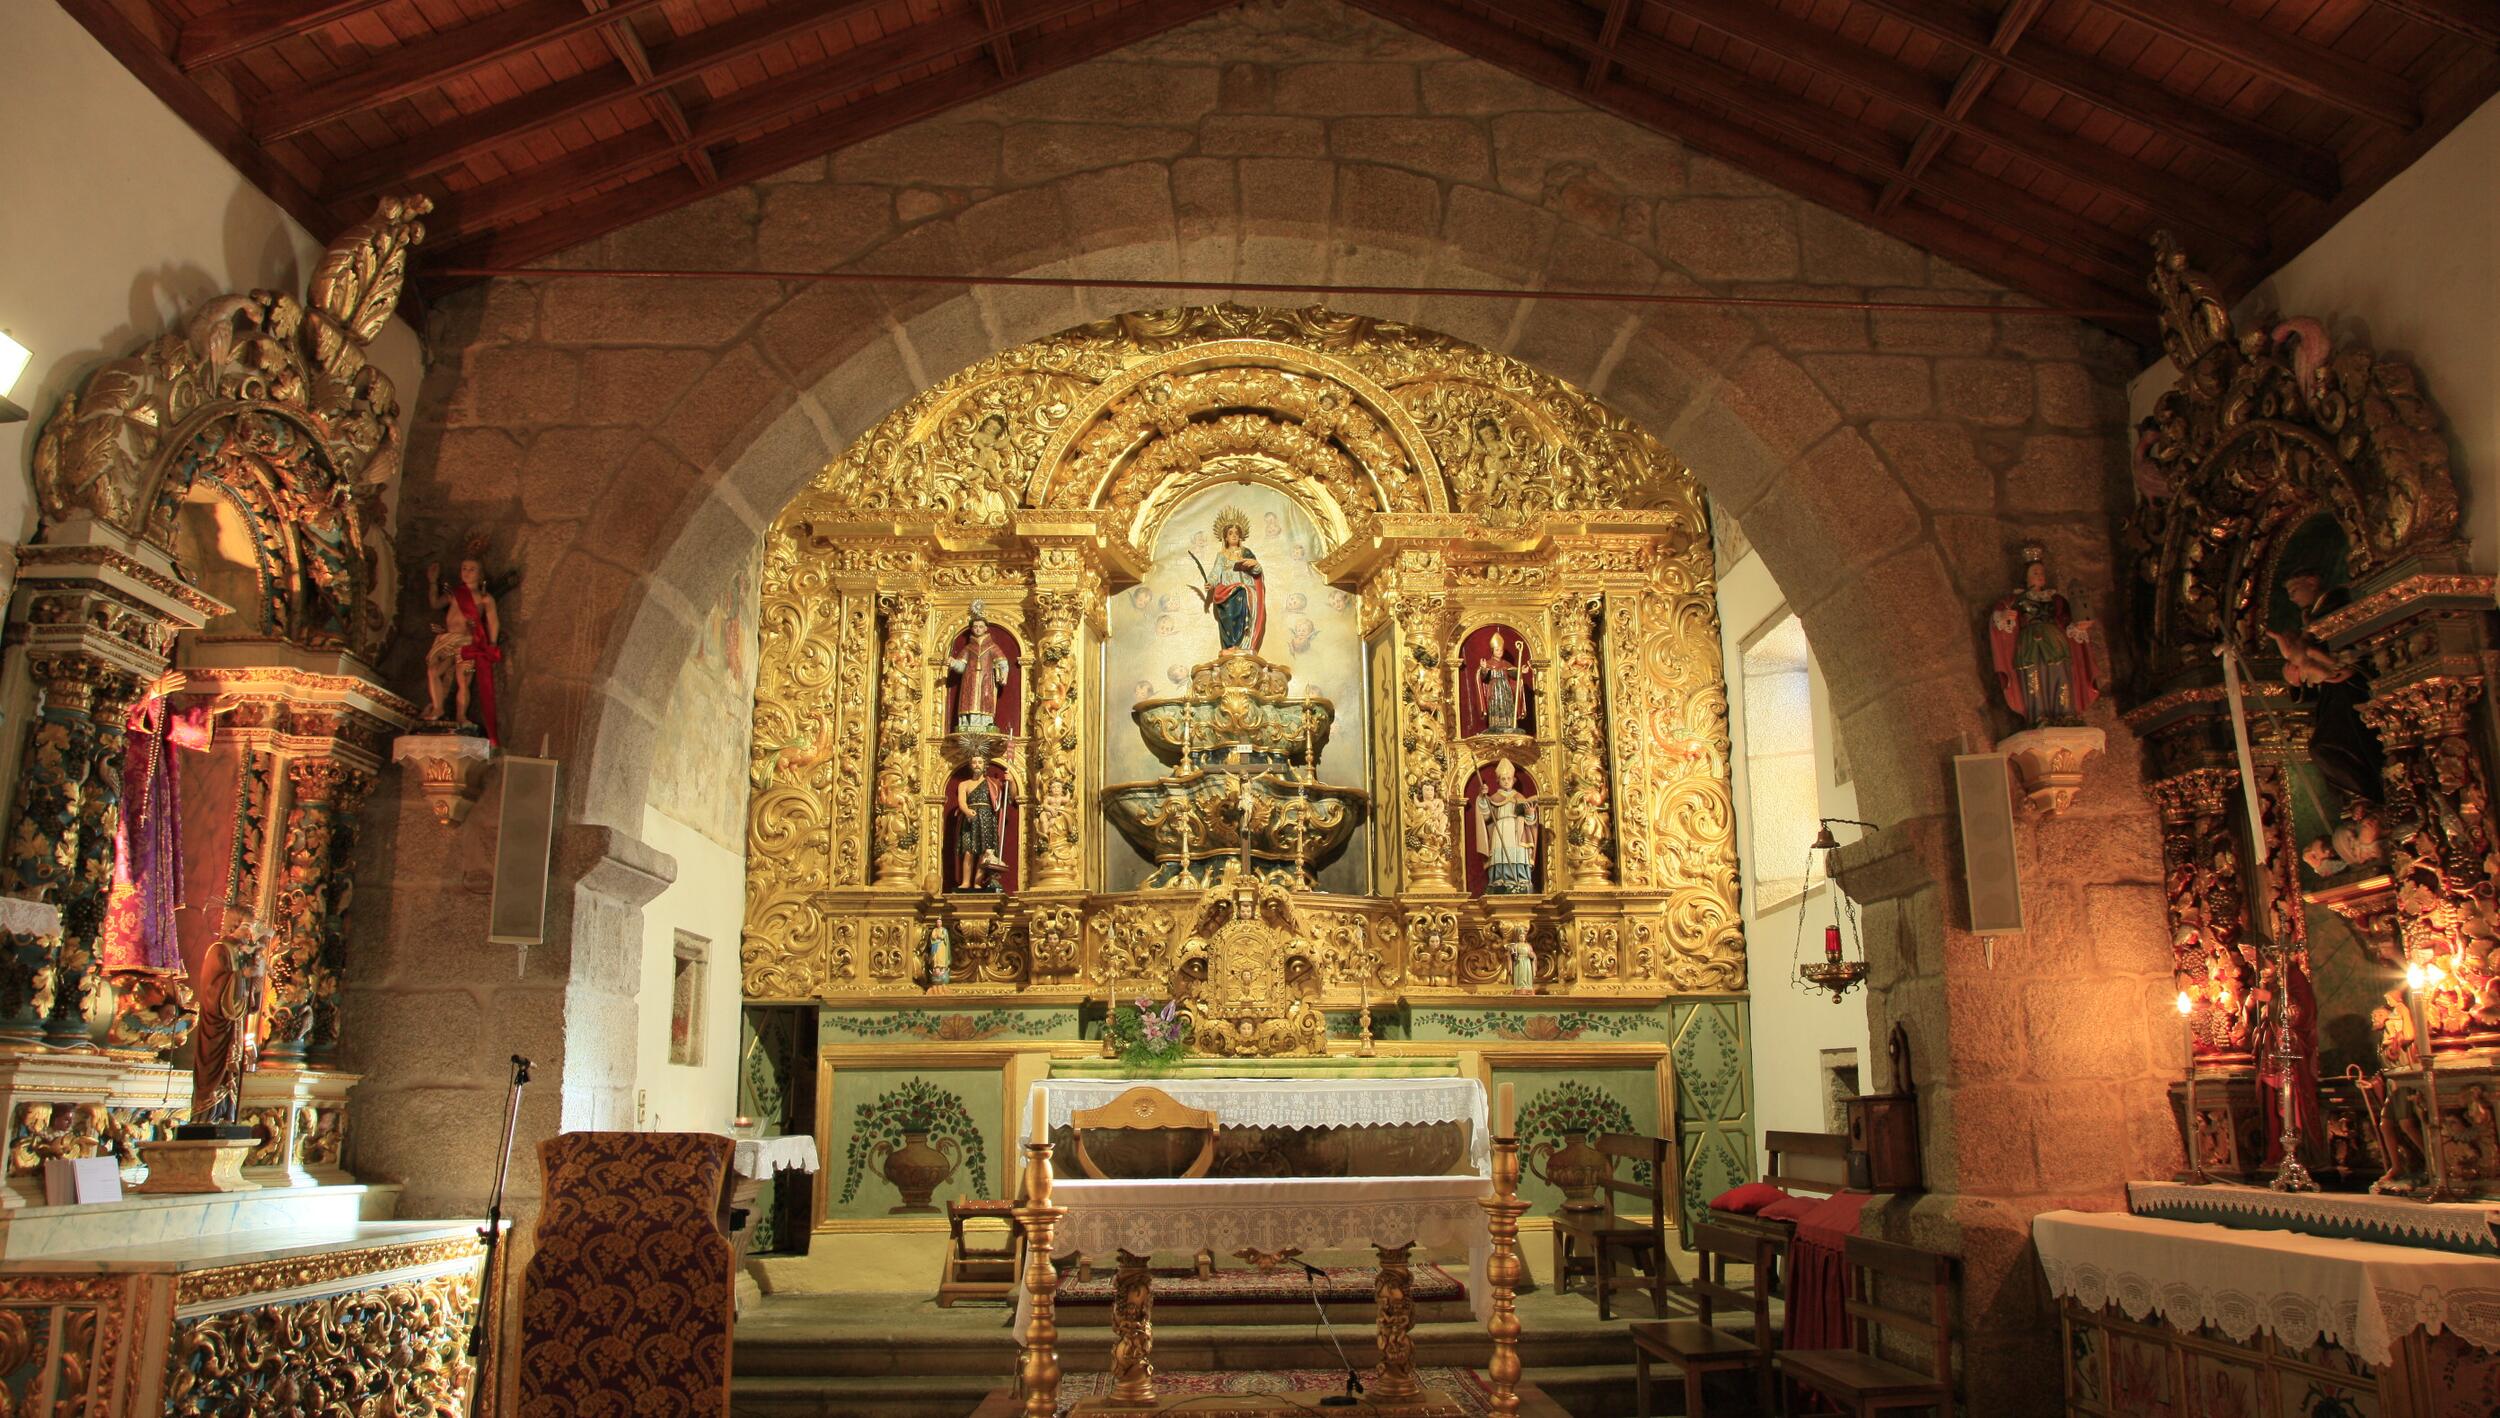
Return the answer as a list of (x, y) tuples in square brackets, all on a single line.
[(1147, 1037)]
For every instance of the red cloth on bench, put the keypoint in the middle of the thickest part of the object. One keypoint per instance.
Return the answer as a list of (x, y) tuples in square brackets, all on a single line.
[(1818, 1274)]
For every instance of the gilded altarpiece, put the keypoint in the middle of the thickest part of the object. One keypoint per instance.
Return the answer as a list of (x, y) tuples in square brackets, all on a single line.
[(1370, 504)]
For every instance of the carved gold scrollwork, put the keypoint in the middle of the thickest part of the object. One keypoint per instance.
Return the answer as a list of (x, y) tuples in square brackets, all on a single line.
[(897, 815), (1057, 833), (1588, 817), (398, 1348)]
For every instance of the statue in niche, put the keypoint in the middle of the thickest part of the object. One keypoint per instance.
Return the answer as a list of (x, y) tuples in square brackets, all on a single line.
[(1236, 590), (1506, 827), (940, 948), (1501, 685), (1522, 957), (2043, 650), (232, 983), (983, 662), (2345, 749), (461, 662), (984, 804)]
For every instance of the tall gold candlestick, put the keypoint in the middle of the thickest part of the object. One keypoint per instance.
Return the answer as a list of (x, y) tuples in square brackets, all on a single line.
[(1039, 1364), (1502, 1212)]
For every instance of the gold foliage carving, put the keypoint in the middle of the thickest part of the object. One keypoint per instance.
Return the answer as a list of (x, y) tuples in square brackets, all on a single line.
[(397, 1348)]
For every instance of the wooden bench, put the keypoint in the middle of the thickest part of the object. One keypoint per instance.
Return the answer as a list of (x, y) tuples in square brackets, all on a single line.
[(1857, 1378), (1601, 1234), (1700, 1348), (1801, 1164)]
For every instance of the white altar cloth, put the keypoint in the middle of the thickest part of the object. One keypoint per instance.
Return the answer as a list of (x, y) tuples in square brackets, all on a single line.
[(2359, 1294), (1295, 1103), (1179, 1218), (760, 1157)]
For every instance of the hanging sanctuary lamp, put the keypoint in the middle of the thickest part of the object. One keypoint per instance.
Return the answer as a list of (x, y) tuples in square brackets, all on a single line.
[(1842, 967)]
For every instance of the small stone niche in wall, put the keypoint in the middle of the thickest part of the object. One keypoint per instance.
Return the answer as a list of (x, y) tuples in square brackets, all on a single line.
[(1840, 1083), (685, 998)]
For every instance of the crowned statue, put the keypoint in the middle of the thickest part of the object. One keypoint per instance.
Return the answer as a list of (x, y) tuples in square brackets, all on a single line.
[(1235, 589), (2042, 650), (983, 662), (1506, 833), (1501, 688)]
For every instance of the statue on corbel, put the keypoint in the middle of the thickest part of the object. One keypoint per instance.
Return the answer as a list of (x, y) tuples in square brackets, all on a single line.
[(462, 728), (2041, 648)]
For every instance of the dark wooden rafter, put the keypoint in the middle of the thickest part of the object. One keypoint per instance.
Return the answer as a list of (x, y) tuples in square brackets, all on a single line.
[(1609, 32), (1978, 72), (431, 62), (1003, 47), (747, 161), (2244, 144), (238, 30), (1772, 161), (853, 71), (475, 134), (2477, 20), (625, 42), (2308, 69), (1758, 101)]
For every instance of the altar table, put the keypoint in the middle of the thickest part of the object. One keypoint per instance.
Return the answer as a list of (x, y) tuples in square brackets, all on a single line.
[(2283, 1322), (1303, 1103)]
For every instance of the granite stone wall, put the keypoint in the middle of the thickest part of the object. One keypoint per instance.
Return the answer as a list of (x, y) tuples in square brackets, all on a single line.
[(626, 441)]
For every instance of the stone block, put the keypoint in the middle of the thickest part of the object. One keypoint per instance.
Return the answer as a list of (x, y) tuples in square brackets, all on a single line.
[(635, 517), (2069, 397), (1330, 90), (1387, 209), (1112, 90), (820, 226), (1845, 252), (1501, 236), (1452, 148), (522, 386), (1473, 87), (1779, 402), (819, 327), (1530, 148), (1286, 197), (1706, 174), (1120, 206), (1975, 551), (1936, 462), (733, 401), (2129, 927), (470, 467), (1246, 88), (1930, 332), (715, 234), (2093, 1029), (1994, 1129), (937, 153), (1262, 135), (1007, 234), (1884, 385), (1580, 259), (566, 469), (1729, 238), (651, 312), (1836, 508), (2060, 473), (1996, 392), (1038, 152), (2087, 1145), (1710, 335), (1572, 342), (637, 386)]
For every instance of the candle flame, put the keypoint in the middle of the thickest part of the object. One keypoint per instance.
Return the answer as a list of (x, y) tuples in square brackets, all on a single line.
[(2187, 1003)]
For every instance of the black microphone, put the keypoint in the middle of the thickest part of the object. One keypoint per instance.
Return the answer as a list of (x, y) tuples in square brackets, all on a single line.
[(1353, 1383)]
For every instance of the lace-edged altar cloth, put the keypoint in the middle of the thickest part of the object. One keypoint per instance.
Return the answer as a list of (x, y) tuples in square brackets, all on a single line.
[(1178, 1218), (2300, 1289), (1296, 1103)]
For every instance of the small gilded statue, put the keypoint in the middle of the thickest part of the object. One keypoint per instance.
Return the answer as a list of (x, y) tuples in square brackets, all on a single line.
[(983, 801), (1522, 959), (1506, 833), (941, 952), (982, 662), (1501, 688), (1236, 590), (2042, 650), (461, 662)]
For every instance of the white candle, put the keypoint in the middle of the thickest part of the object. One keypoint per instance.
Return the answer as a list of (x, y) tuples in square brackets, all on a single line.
[(1506, 1107), (1041, 1116)]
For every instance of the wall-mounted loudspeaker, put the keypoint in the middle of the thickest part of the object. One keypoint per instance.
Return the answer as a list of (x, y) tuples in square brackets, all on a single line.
[(524, 839), (1984, 783)]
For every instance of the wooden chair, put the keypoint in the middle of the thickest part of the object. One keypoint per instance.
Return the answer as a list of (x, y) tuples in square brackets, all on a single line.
[(978, 1272), (1856, 1378), (1143, 1109), (1802, 1164), (1603, 1234), (1699, 1347)]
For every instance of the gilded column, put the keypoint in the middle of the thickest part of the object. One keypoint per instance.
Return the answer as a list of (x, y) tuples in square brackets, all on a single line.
[(329, 971), (304, 901), (80, 976), (895, 825), (1057, 824), (1423, 698), (2440, 845), (1588, 819)]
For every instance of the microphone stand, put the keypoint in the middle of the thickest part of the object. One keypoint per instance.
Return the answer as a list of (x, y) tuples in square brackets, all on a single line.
[(482, 1340), (1353, 1384)]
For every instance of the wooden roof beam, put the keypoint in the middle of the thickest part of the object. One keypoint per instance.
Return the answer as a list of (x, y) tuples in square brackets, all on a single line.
[(2312, 70), (1002, 44), (2477, 20), (1773, 162), (1609, 33), (551, 184), (1978, 72), (2248, 146), (430, 63), (625, 42), (237, 30), (1040, 54), (476, 134), (2130, 182)]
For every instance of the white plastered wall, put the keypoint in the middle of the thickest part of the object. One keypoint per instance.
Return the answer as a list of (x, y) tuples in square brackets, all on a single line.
[(708, 901), (2415, 272), (1791, 1029)]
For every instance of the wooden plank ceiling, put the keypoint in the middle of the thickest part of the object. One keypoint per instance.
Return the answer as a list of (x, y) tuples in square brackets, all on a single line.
[(2037, 142)]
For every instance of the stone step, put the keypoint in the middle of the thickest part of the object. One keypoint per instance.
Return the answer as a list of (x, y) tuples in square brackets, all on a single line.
[(1595, 1391), (1456, 1344)]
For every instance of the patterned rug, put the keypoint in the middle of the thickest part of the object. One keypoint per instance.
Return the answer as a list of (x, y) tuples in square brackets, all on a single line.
[(1235, 1285), (1462, 1386)]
